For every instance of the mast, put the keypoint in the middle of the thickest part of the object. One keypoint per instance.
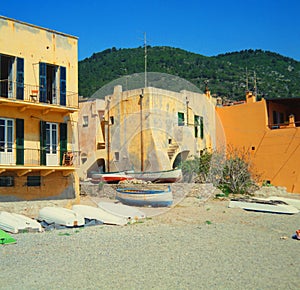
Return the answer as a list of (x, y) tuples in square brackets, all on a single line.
[(145, 48)]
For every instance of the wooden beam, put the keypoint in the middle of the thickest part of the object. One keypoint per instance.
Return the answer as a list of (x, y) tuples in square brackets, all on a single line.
[(23, 172), (45, 112), (47, 172), (23, 108), (67, 173)]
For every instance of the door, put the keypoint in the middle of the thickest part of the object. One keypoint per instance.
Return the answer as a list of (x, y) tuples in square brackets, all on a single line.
[(7, 141), (51, 144)]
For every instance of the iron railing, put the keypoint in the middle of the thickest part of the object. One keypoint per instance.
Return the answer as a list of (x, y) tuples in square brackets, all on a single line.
[(32, 93), (34, 157)]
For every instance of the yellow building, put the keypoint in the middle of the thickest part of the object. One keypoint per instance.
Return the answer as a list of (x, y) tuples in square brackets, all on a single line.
[(38, 112), (148, 129)]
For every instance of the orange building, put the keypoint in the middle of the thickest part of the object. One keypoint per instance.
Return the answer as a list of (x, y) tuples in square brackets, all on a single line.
[(270, 129)]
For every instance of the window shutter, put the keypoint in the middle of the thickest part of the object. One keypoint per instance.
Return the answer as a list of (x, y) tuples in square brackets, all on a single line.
[(42, 143), (20, 141), (43, 83), (20, 78), (63, 128), (63, 96)]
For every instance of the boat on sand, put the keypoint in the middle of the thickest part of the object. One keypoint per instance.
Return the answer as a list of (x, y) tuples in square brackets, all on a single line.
[(145, 197), (166, 176), (60, 216), (263, 205), (14, 223), (110, 177), (98, 214)]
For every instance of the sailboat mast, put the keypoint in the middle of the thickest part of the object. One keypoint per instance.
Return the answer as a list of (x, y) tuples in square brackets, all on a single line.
[(145, 48)]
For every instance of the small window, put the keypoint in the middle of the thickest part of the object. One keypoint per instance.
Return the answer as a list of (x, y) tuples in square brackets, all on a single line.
[(197, 126), (112, 120), (33, 181), (201, 128), (7, 181), (117, 156), (85, 121), (180, 119)]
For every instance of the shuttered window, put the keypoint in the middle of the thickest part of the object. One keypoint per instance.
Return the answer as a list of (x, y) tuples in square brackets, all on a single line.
[(20, 141), (20, 78), (63, 128)]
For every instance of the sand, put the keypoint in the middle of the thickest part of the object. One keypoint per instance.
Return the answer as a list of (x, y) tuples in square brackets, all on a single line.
[(195, 245)]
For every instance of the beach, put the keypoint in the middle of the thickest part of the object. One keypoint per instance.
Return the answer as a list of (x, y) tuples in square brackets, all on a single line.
[(195, 245)]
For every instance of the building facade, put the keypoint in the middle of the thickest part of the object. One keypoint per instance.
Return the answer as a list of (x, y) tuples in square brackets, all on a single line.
[(270, 130), (38, 113), (151, 129)]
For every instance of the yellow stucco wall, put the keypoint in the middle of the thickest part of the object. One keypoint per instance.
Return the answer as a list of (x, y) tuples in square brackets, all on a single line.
[(157, 119), (35, 44)]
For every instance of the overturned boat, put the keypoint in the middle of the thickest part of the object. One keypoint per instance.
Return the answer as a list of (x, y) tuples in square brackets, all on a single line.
[(14, 223), (60, 216)]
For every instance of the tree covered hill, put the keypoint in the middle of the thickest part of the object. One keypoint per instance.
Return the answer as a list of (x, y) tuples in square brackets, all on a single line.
[(274, 75)]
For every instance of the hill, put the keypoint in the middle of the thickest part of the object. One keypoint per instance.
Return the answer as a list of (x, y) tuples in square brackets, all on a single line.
[(276, 75)]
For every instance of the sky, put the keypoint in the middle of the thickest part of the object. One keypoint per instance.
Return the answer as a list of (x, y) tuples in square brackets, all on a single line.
[(209, 27)]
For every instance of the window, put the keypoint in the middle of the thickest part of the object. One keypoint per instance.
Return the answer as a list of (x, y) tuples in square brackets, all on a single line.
[(52, 84), (7, 181), (197, 126), (6, 135), (180, 119), (112, 120), (201, 128), (33, 181), (11, 77), (117, 156), (85, 122), (51, 138)]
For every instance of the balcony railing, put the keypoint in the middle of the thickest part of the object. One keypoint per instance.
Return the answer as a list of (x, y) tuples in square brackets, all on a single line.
[(32, 93), (32, 157)]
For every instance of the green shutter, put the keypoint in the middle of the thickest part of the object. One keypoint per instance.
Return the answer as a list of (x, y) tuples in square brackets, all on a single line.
[(20, 78), (43, 82), (63, 128), (20, 141), (42, 143)]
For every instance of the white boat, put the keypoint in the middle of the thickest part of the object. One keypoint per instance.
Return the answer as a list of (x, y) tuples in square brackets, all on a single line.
[(60, 216), (121, 210), (263, 205), (96, 213), (110, 177), (166, 176), (145, 197), (13, 223), (291, 201)]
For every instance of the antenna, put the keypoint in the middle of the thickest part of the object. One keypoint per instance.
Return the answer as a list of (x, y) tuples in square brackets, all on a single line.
[(255, 87), (145, 47), (247, 81)]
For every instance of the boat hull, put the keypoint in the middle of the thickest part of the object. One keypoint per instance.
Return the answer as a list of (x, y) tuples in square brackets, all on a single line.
[(270, 206), (140, 197), (168, 176), (111, 178), (60, 216)]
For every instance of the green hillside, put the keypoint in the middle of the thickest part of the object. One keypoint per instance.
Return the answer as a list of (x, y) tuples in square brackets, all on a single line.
[(276, 75)]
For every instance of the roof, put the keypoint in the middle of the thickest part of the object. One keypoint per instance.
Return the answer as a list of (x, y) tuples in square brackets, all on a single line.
[(39, 27)]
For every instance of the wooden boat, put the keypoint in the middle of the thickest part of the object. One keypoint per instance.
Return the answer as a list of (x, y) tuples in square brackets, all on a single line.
[(96, 213), (111, 177), (13, 223), (145, 197), (272, 206), (167, 176), (121, 210), (60, 216)]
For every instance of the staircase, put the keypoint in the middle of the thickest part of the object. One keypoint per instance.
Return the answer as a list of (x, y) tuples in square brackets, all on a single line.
[(172, 149)]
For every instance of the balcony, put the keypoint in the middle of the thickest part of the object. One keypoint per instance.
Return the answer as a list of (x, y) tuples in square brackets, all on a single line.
[(26, 96), (30, 160)]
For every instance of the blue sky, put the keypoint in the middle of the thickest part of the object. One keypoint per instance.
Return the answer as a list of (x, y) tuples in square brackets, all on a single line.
[(206, 27)]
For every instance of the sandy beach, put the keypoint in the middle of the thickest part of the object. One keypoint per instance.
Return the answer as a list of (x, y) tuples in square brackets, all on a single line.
[(195, 245)]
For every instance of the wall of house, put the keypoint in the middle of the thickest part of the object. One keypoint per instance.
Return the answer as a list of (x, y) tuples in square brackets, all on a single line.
[(275, 153), (158, 121), (35, 44)]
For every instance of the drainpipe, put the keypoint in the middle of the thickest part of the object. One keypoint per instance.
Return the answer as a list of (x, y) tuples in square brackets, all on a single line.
[(141, 120), (108, 134)]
